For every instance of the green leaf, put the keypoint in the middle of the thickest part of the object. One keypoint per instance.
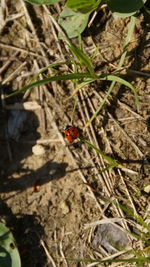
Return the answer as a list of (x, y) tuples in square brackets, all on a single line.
[(42, 2), (66, 77), (73, 22), (82, 57), (75, 4), (121, 62), (74, 76), (112, 162), (137, 217), (141, 259), (9, 255), (124, 82), (125, 8), (83, 6), (114, 79)]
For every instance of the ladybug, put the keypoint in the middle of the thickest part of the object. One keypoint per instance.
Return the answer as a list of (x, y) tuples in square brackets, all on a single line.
[(71, 133)]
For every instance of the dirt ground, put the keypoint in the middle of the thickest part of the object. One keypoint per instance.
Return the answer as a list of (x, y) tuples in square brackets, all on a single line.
[(50, 190)]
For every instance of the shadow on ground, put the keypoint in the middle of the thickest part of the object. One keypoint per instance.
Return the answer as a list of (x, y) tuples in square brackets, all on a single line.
[(27, 232)]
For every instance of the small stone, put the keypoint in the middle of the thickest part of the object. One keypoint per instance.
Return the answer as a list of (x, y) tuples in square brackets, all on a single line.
[(147, 188), (38, 150), (64, 207)]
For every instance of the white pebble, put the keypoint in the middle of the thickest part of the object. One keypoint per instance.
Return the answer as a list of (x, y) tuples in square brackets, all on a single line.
[(38, 150), (147, 188)]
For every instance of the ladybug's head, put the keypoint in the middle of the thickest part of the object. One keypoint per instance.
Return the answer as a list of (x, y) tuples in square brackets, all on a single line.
[(67, 127)]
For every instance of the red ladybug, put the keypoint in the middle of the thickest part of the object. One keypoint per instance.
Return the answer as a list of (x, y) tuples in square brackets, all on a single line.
[(71, 133)]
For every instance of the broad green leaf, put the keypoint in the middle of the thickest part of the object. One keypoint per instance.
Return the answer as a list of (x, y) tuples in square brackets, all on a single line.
[(147, 9), (83, 5), (9, 255), (73, 22), (76, 4), (43, 2), (125, 8)]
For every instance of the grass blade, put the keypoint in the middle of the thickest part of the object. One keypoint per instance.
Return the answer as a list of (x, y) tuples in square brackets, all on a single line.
[(111, 161), (82, 58), (74, 76), (139, 259), (124, 82), (121, 62), (51, 66), (51, 79), (114, 79)]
